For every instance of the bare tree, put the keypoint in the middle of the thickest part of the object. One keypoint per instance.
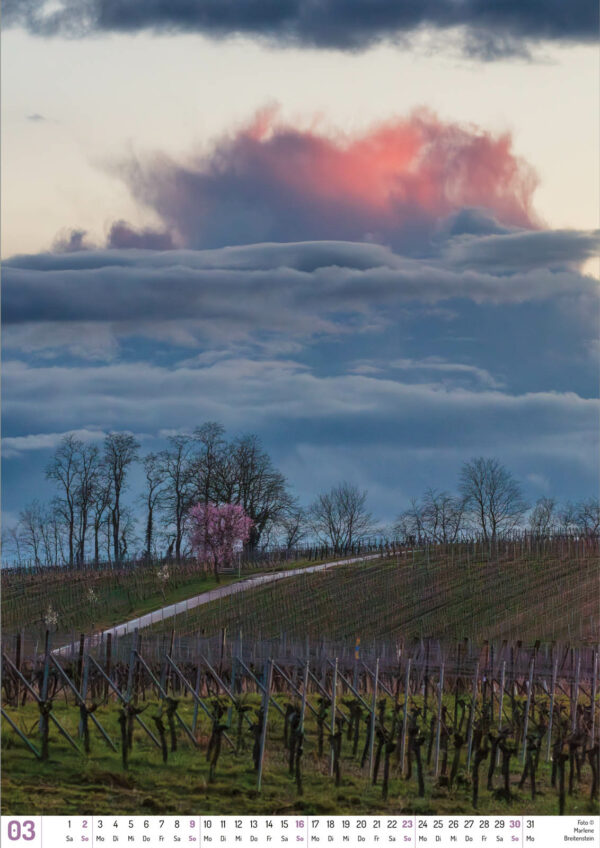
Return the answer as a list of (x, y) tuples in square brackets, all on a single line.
[(340, 516), (107, 533), (127, 532), (248, 478), (101, 501), (567, 518), (437, 518), (410, 523), (120, 450), (293, 523), (11, 541), (443, 514), (86, 484), (492, 496), (50, 534), (177, 469), (587, 516), (542, 520), (31, 524), (287, 530), (64, 469), (209, 462), (151, 497), (57, 533)]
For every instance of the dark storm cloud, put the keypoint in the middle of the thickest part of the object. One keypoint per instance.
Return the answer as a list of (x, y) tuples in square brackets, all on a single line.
[(491, 29)]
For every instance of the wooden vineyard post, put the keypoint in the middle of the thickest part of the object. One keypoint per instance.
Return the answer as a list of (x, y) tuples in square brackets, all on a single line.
[(131, 669), (83, 685), (373, 718), (304, 694), (472, 717), (43, 725), (426, 679), (196, 698), (108, 664), (263, 735), (164, 673), (438, 731), (551, 717), (232, 685), (594, 689), (80, 660), (167, 668), (491, 670), (501, 701), (527, 708), (333, 700), (47, 649), (572, 673), (81, 700), (575, 694), (18, 667), (456, 679), (405, 716), (221, 649)]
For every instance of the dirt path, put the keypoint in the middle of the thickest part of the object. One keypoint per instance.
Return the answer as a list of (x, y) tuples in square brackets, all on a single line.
[(169, 611)]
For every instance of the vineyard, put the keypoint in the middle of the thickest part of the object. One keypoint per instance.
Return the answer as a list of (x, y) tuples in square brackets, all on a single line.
[(421, 728), (543, 593), (64, 600), (100, 595), (438, 680)]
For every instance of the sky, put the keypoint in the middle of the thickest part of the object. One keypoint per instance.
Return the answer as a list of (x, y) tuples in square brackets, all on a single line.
[(367, 232)]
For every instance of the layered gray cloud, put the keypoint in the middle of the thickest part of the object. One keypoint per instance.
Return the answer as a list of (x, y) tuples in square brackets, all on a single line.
[(492, 29), (138, 396), (524, 250), (382, 368), (13, 446), (387, 435), (299, 289)]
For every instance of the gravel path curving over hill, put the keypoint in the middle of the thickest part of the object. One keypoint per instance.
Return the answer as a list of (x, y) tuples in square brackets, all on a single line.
[(171, 610)]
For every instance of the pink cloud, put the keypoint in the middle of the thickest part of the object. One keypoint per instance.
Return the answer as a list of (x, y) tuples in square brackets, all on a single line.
[(271, 181)]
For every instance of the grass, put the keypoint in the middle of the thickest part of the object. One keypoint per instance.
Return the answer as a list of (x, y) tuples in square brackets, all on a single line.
[(73, 783), (116, 598), (95, 599)]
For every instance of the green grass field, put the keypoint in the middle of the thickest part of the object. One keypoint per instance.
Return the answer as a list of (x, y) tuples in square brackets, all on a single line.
[(72, 783)]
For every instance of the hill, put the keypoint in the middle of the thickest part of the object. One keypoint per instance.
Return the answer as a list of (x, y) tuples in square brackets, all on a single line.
[(547, 591)]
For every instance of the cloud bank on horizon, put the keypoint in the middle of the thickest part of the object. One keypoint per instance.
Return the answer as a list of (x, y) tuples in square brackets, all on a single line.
[(488, 30)]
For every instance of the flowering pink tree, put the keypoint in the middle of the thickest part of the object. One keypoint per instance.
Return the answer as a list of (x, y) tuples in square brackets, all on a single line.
[(216, 531)]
